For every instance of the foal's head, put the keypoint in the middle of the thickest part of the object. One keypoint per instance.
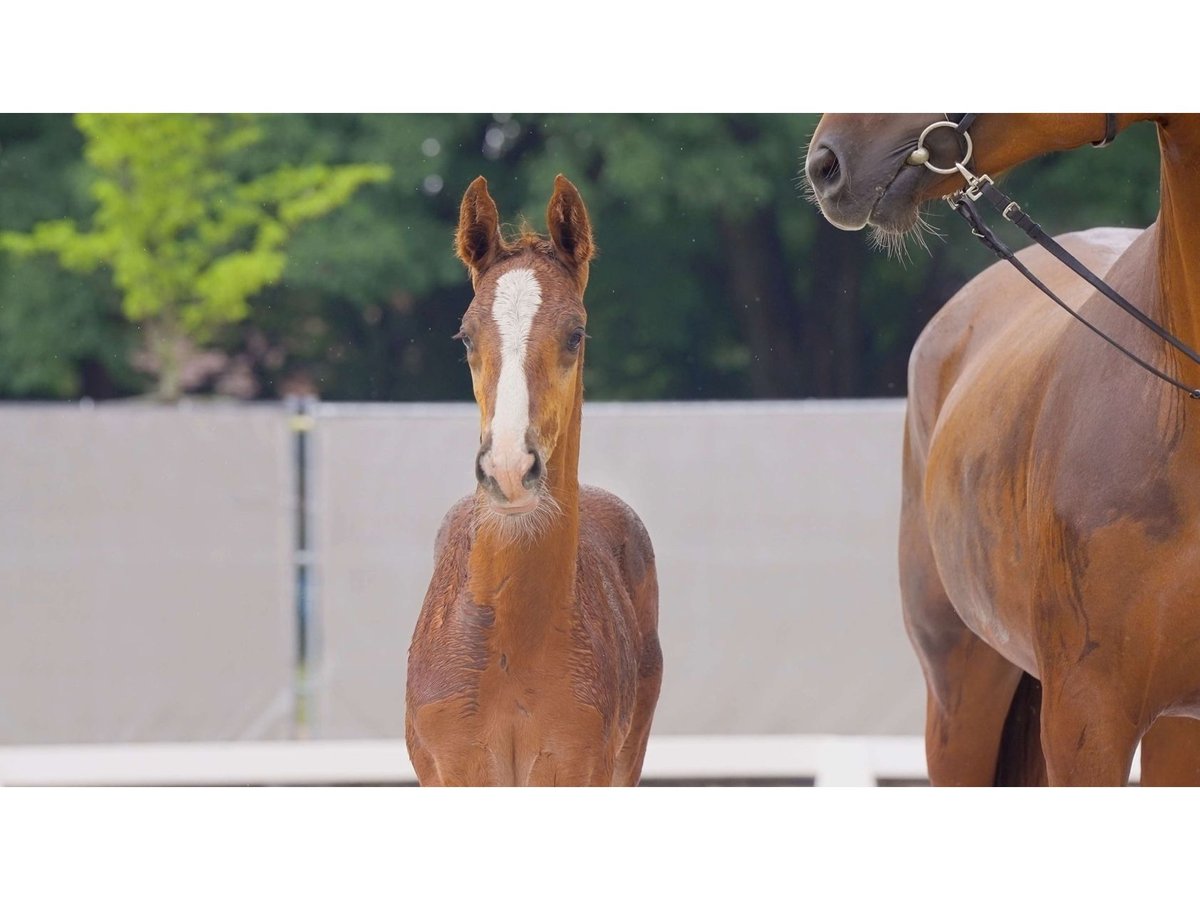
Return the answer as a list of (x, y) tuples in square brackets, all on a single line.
[(524, 337)]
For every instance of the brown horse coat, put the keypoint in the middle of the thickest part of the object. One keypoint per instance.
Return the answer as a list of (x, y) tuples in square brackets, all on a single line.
[(1051, 489), (535, 660)]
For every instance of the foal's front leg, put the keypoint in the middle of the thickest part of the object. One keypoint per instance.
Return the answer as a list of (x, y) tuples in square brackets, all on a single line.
[(580, 753), (556, 769)]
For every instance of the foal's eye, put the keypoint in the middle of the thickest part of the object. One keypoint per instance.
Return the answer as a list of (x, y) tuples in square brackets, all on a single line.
[(466, 340), (575, 340)]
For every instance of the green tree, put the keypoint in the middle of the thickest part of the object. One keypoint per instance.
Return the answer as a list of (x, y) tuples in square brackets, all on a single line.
[(187, 236), (715, 279)]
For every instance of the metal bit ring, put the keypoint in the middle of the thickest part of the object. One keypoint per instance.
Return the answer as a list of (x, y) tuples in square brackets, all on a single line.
[(920, 156)]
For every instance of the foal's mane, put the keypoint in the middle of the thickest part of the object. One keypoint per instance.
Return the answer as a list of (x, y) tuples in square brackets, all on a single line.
[(524, 238)]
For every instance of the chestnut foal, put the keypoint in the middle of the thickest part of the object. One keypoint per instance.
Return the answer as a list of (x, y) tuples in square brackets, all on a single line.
[(535, 660)]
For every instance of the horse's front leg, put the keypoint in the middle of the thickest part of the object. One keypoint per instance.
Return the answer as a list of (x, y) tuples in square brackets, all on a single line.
[(1087, 736), (1171, 753)]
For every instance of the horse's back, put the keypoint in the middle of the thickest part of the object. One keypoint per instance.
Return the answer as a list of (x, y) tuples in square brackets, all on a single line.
[(998, 314)]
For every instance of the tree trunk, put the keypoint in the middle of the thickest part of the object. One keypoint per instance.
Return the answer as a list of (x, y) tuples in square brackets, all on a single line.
[(833, 346), (760, 289), (166, 345)]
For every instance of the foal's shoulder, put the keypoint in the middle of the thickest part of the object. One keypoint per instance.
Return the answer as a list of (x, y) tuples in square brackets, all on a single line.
[(605, 506), (455, 529), (609, 528), (451, 548), (606, 514)]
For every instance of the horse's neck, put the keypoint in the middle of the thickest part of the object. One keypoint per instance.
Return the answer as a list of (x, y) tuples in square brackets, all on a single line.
[(529, 582), (1179, 231)]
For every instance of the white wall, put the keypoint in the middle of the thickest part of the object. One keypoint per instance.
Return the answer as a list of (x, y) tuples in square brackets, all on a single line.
[(146, 581), (774, 526), (145, 574)]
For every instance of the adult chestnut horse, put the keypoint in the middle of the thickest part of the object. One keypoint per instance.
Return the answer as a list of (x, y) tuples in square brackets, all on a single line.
[(535, 660), (1051, 488)]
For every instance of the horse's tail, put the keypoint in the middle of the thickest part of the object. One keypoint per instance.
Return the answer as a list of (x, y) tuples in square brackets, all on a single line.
[(1020, 762)]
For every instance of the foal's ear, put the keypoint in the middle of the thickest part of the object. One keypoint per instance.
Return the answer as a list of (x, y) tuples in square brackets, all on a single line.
[(570, 230), (477, 241)]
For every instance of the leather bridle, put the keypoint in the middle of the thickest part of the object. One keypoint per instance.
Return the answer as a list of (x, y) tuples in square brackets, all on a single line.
[(981, 187)]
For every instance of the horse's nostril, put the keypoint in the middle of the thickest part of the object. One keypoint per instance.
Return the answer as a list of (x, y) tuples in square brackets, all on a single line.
[(824, 169), (534, 475)]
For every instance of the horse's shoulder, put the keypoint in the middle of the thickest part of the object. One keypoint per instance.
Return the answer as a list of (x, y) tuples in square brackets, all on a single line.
[(990, 293), (1105, 242), (999, 301)]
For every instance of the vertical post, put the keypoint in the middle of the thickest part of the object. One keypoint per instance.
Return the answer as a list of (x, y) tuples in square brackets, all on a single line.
[(301, 420)]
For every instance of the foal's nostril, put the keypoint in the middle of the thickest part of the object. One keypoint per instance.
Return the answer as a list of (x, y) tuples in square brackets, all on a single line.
[(824, 170), (482, 464), (534, 475)]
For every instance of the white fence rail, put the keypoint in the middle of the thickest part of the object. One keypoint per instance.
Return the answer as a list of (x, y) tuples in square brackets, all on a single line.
[(823, 760), (826, 760)]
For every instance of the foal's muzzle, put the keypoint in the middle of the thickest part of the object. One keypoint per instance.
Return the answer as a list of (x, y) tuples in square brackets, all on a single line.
[(510, 473)]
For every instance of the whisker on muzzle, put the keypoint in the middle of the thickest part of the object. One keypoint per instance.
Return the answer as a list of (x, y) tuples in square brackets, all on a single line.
[(896, 243), (520, 529)]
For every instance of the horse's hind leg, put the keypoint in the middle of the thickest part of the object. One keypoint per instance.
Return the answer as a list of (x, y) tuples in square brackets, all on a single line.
[(1171, 753), (969, 685)]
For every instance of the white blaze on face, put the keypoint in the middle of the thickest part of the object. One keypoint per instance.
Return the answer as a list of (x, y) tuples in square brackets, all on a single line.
[(518, 296)]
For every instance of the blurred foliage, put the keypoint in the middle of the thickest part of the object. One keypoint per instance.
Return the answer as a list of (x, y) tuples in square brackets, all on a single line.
[(715, 278), (187, 240)]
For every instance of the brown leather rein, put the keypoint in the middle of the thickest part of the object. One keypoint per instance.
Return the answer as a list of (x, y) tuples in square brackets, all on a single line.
[(981, 187)]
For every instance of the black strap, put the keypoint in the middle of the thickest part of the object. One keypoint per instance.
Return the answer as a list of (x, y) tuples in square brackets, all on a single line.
[(1110, 130), (966, 120), (1011, 211), (1110, 126)]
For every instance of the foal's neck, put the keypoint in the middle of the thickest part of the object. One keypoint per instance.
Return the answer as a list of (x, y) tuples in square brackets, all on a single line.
[(528, 579)]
